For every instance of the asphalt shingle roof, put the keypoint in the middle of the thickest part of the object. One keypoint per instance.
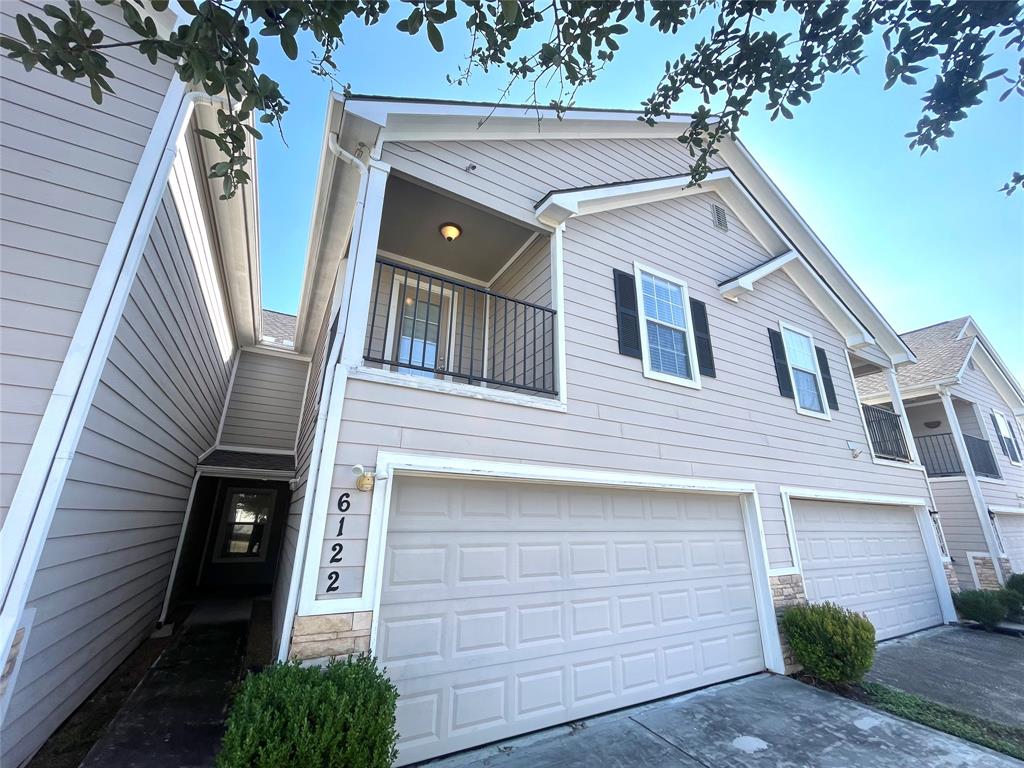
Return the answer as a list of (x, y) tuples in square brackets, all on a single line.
[(940, 355), (278, 328)]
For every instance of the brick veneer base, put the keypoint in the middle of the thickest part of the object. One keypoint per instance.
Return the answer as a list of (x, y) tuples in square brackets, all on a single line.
[(986, 571), (951, 578), (786, 591), (330, 636)]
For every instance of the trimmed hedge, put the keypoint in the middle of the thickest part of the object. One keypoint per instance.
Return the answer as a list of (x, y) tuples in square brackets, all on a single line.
[(834, 645), (338, 716), (1016, 583), (986, 608), (1013, 601)]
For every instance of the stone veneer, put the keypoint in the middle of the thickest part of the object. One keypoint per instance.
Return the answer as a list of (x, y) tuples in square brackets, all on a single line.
[(1004, 563), (951, 578), (786, 591), (331, 635), (986, 570)]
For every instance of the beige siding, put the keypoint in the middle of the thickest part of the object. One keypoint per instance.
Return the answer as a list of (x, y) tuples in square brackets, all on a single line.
[(105, 564), (960, 523), (976, 388), (266, 397), (737, 427), (66, 167)]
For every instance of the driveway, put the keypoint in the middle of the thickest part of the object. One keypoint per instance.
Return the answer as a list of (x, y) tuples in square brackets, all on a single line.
[(977, 672), (760, 721)]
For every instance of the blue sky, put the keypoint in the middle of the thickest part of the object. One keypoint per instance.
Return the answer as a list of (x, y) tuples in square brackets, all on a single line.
[(928, 238)]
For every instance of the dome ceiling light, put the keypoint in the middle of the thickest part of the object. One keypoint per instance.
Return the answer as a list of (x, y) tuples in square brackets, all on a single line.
[(450, 231)]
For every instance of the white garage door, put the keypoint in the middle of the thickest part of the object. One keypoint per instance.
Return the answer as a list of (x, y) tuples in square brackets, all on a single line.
[(509, 607), (870, 559), (1011, 532)]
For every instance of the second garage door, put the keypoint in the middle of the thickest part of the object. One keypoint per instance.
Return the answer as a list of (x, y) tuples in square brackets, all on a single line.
[(508, 607), (868, 558), (1011, 532)]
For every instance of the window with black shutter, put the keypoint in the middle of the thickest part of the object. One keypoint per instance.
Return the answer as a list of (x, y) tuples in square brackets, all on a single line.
[(826, 379), (626, 315), (702, 338)]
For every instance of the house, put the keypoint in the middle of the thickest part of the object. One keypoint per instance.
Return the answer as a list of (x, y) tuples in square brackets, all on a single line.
[(964, 409), (553, 432)]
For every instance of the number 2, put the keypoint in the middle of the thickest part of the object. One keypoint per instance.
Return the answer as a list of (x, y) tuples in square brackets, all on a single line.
[(332, 581), (336, 550)]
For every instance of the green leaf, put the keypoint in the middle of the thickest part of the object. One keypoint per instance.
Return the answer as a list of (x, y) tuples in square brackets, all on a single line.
[(289, 46), (95, 92), (28, 34), (434, 36), (510, 10)]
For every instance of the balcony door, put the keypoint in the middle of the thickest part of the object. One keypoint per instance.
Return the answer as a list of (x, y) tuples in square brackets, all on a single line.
[(422, 317)]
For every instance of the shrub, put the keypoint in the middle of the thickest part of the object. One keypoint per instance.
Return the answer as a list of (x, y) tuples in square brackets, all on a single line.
[(338, 716), (986, 608), (1013, 601), (833, 644), (1016, 583)]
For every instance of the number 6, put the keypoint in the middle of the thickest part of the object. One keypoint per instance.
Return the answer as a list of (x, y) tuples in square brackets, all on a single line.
[(343, 502)]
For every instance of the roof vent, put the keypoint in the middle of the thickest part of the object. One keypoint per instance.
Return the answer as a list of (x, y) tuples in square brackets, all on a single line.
[(719, 217)]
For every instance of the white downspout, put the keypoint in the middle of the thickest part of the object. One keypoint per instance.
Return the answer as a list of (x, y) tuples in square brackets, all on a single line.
[(313, 471)]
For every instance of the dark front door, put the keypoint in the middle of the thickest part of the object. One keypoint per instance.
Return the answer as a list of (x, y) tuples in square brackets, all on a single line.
[(244, 537)]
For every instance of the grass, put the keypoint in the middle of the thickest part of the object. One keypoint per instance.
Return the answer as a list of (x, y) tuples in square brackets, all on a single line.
[(1002, 738)]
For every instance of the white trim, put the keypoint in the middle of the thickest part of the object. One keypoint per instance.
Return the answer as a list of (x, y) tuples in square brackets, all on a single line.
[(991, 480), (395, 307), (180, 546), (430, 268), (391, 464), (53, 449), (255, 449), (459, 389), (794, 547), (558, 291), (1000, 436), (825, 413), (994, 517), (857, 497), (936, 562), (227, 402), (287, 354), (974, 570), (1000, 510), (515, 256), (694, 382), (738, 286)]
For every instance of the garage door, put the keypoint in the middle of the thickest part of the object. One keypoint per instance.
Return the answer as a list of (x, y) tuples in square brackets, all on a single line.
[(1011, 532), (870, 559), (509, 607)]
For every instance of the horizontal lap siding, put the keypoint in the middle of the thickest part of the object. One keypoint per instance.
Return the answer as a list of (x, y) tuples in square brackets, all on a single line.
[(266, 397), (104, 568), (66, 167), (960, 523), (737, 427), (976, 387)]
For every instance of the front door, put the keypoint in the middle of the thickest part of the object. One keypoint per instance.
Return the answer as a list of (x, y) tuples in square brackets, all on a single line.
[(244, 537), (421, 329)]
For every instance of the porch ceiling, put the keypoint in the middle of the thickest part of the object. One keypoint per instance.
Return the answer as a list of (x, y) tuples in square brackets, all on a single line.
[(409, 227)]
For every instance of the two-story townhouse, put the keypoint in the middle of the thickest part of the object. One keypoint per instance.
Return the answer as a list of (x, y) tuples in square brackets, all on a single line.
[(964, 408), (581, 428)]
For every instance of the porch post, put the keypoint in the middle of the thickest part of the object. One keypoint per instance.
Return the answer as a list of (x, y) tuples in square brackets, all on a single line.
[(972, 481), (897, 406)]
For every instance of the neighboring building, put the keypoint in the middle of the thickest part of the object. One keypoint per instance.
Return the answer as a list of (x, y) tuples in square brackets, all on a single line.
[(572, 454), (964, 409)]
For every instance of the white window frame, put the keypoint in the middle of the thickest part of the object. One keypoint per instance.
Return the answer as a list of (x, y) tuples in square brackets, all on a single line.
[(395, 316), (1002, 417), (825, 413), (691, 345)]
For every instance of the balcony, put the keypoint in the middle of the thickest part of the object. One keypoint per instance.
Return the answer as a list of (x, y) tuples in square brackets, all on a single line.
[(886, 433), (941, 459), (428, 325)]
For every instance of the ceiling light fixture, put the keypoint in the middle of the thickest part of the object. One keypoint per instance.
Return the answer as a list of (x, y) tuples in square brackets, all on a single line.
[(450, 231)]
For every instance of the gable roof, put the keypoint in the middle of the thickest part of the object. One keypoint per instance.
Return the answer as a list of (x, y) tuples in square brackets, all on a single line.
[(943, 351)]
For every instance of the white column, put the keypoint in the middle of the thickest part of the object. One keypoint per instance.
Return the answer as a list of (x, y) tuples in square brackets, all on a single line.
[(897, 406), (972, 481)]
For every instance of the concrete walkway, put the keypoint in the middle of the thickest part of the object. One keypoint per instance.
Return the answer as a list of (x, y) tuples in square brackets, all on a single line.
[(981, 673), (761, 721)]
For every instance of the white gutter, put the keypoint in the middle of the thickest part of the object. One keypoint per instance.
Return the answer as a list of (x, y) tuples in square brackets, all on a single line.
[(340, 306), (28, 522)]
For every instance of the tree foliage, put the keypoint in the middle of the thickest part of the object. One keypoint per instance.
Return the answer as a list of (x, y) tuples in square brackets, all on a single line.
[(742, 63)]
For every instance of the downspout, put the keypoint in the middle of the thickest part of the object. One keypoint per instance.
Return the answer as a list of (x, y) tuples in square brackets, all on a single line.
[(302, 544)]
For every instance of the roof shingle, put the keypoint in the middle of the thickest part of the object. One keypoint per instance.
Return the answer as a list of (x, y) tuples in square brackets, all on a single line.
[(940, 356)]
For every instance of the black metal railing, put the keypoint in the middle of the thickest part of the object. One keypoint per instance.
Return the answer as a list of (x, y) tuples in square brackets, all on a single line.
[(939, 455), (427, 325), (982, 458), (886, 433)]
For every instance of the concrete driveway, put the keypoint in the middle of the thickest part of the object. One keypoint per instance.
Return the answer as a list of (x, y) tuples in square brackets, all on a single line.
[(760, 721), (981, 673)]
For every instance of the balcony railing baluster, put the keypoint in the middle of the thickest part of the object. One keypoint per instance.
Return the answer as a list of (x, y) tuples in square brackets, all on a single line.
[(886, 433), (516, 339)]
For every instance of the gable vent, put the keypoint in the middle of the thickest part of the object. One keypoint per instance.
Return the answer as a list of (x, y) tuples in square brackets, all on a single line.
[(718, 216)]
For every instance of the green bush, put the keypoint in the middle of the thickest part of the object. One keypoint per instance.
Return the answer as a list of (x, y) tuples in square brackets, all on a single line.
[(1016, 583), (833, 644), (1013, 601), (986, 608), (338, 716)]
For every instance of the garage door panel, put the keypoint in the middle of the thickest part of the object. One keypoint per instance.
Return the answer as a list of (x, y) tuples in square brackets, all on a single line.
[(475, 631), (870, 559), (508, 607), (1011, 530)]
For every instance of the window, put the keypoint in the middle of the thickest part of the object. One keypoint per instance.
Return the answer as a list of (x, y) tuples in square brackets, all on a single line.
[(667, 342), (422, 315), (245, 523), (1007, 437), (804, 372)]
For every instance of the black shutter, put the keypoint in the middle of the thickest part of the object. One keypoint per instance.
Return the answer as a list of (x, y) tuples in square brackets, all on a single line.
[(626, 314), (826, 379), (1014, 439), (999, 435), (781, 363), (702, 338)]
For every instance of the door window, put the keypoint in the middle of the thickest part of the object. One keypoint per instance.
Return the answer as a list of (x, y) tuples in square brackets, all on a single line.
[(246, 523)]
